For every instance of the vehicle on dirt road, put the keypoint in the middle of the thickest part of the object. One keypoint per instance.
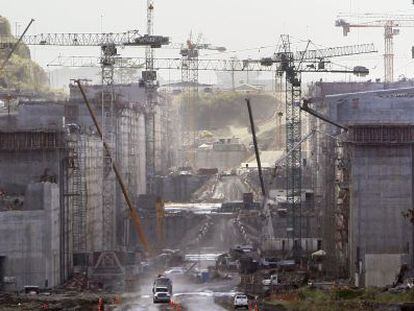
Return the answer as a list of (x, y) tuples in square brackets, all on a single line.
[(272, 280), (241, 301), (162, 289), (162, 281), (175, 271), (161, 294)]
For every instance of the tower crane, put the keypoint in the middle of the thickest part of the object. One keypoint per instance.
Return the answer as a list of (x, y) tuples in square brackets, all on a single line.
[(190, 55), (108, 43), (189, 77), (291, 65), (391, 24), (285, 63), (149, 78)]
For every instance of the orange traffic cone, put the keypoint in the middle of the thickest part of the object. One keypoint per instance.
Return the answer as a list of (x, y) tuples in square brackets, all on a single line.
[(100, 304)]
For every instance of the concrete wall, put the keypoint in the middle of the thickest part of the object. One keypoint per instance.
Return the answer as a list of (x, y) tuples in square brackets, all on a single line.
[(381, 175), (382, 269), (93, 150), (18, 169), (221, 156), (130, 154), (381, 190), (178, 188), (30, 240)]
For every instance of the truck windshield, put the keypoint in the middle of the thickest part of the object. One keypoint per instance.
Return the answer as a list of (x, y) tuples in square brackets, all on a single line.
[(161, 290)]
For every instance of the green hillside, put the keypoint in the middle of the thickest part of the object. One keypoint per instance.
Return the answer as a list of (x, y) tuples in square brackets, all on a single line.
[(20, 73)]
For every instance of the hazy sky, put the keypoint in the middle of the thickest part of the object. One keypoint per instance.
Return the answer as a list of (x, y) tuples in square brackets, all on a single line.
[(236, 24)]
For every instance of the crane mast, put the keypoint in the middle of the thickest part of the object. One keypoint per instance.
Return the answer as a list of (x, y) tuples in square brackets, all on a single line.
[(291, 65), (108, 125), (189, 76), (293, 95), (391, 23), (149, 78)]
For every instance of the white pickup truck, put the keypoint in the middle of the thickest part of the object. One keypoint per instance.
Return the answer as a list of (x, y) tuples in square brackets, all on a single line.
[(161, 294), (162, 289), (241, 301)]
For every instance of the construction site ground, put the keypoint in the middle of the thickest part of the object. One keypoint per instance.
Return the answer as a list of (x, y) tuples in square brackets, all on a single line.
[(340, 299), (66, 300)]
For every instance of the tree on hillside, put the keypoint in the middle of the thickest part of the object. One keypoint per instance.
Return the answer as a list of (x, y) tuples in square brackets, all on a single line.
[(20, 72)]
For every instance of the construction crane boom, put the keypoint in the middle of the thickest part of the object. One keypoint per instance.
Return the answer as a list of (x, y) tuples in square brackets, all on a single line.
[(164, 63), (320, 54), (389, 22), (15, 46), (127, 38), (312, 55)]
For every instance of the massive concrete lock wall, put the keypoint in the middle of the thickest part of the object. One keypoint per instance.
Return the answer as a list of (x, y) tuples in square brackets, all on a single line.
[(380, 150)]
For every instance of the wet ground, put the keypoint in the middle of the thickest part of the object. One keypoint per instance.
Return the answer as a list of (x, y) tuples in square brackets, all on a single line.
[(190, 295), (187, 291)]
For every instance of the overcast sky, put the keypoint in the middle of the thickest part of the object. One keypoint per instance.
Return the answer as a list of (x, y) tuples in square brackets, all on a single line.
[(236, 24)]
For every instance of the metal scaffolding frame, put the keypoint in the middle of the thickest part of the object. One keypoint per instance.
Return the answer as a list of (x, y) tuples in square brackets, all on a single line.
[(108, 129)]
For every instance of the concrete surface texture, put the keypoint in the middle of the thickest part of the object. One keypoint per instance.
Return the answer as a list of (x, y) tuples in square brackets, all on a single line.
[(381, 174), (178, 188), (93, 187), (35, 145), (221, 155), (382, 268), (30, 240)]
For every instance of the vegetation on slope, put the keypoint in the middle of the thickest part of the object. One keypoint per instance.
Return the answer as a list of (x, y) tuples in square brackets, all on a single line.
[(222, 110), (20, 73)]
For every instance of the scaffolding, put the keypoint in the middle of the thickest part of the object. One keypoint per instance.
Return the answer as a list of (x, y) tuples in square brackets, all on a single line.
[(78, 191), (108, 126), (342, 171)]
